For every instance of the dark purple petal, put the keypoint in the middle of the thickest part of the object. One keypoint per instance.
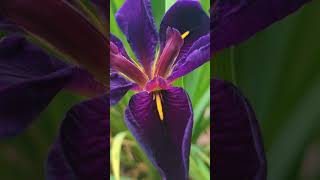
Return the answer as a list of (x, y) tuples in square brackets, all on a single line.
[(136, 21), (21, 61), (166, 143), (7, 26), (186, 15), (83, 141), (29, 79), (236, 140), (198, 54), (233, 21), (119, 86), (58, 168), (119, 45), (65, 28)]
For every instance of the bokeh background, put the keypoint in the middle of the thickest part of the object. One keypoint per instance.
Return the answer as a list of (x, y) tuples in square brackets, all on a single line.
[(279, 72)]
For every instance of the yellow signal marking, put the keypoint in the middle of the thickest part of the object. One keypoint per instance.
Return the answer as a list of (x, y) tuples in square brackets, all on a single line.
[(184, 35), (159, 106)]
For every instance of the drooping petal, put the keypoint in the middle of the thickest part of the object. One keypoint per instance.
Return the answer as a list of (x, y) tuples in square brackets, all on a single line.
[(63, 27), (29, 79), (198, 54), (236, 140), (137, 23), (167, 142), (21, 61), (58, 168), (83, 143), (119, 86), (235, 21), (185, 15)]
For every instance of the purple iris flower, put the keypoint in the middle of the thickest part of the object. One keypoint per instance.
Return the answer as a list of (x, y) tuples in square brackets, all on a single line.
[(31, 75), (159, 116), (237, 145)]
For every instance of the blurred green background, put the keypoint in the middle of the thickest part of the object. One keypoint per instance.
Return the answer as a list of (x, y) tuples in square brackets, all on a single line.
[(279, 72)]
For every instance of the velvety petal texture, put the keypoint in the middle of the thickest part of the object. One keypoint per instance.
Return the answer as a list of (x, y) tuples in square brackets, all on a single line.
[(83, 143), (58, 168), (137, 23), (236, 140), (197, 55), (167, 142), (65, 28), (185, 15), (29, 79), (119, 86), (233, 21)]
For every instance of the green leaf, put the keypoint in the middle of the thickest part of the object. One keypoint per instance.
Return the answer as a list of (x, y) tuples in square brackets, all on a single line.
[(115, 151)]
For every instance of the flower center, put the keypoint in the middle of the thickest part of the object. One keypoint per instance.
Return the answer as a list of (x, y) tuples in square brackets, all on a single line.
[(162, 67)]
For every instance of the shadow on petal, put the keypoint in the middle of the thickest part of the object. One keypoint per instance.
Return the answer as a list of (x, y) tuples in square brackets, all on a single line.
[(83, 143), (238, 151)]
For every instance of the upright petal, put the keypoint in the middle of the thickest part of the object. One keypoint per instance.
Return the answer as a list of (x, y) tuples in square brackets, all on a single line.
[(198, 54), (65, 28), (29, 79), (235, 21), (167, 141), (185, 15), (83, 143), (137, 23), (237, 145)]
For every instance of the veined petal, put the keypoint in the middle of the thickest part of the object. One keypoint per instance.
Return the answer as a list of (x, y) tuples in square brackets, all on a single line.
[(169, 53), (29, 79), (166, 142), (119, 86), (198, 54), (65, 28), (83, 143), (121, 64), (235, 21), (137, 23), (119, 45), (185, 15), (237, 145)]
